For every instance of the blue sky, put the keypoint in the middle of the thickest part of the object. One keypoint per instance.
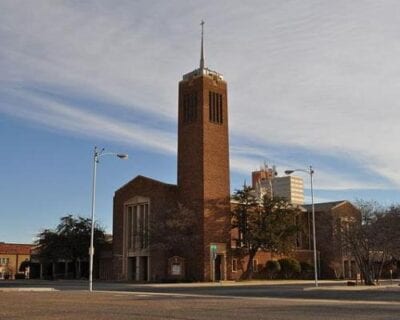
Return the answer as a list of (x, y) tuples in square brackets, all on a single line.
[(310, 82)]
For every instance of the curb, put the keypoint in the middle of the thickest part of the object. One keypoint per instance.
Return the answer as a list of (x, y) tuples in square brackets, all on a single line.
[(27, 289)]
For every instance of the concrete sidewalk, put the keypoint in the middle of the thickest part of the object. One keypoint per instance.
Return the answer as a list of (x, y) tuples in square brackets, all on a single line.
[(354, 288)]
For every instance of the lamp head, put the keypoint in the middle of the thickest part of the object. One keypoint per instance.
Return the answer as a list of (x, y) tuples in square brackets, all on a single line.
[(289, 171), (122, 156)]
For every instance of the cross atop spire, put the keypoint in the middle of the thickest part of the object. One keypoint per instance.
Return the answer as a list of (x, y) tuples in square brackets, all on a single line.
[(202, 70), (202, 50)]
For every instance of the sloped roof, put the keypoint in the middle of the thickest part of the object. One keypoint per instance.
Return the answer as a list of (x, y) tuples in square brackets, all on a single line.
[(325, 206), (15, 248), (140, 177)]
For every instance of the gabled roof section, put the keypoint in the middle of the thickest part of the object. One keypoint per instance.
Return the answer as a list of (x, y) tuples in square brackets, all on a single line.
[(150, 180), (324, 206)]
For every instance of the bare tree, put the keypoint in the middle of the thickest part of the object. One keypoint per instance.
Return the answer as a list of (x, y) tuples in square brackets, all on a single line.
[(374, 239), (177, 232)]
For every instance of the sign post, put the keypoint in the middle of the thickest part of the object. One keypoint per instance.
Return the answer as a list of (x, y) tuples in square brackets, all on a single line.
[(213, 255)]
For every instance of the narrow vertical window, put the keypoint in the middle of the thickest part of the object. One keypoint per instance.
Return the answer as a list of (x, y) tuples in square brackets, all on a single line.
[(135, 226), (186, 108), (214, 104), (130, 231), (190, 107), (215, 107), (221, 119), (146, 225), (193, 107), (209, 106), (234, 265), (141, 226)]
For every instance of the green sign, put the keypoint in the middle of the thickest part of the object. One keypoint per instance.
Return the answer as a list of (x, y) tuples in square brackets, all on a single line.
[(213, 251)]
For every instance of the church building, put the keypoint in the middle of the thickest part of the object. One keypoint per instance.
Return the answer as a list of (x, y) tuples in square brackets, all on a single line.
[(203, 190)]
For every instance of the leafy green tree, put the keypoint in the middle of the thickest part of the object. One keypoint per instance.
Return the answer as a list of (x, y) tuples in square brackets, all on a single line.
[(269, 226), (69, 241)]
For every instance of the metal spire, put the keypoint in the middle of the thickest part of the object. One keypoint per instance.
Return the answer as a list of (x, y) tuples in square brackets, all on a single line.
[(202, 51)]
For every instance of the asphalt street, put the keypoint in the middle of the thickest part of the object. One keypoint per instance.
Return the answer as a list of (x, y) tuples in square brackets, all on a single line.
[(71, 300), (281, 289)]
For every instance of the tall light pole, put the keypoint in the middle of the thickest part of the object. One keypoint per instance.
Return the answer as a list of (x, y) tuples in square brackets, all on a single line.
[(310, 171), (96, 157)]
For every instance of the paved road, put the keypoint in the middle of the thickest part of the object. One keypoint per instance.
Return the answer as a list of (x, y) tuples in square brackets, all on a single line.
[(198, 301), (292, 290), (79, 305)]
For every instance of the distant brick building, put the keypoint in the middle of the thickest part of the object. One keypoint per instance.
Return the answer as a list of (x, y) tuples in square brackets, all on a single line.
[(12, 255), (330, 217), (203, 188), (334, 261)]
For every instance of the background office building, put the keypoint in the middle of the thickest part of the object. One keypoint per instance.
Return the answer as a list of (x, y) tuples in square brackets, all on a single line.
[(266, 182)]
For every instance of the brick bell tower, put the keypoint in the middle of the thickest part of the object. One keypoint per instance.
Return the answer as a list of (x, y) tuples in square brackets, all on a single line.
[(203, 168)]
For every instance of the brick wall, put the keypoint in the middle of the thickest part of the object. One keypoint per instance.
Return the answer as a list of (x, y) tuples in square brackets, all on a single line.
[(162, 197), (203, 169)]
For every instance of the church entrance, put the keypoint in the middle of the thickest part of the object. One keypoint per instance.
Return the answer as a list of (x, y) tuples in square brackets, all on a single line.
[(143, 274), (217, 262), (138, 268), (218, 267), (132, 269)]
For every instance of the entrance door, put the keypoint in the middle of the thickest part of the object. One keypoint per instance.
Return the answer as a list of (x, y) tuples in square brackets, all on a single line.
[(218, 265), (143, 269), (132, 268)]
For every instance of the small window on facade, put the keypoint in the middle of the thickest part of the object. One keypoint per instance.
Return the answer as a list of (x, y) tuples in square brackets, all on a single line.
[(234, 265), (215, 107), (255, 265)]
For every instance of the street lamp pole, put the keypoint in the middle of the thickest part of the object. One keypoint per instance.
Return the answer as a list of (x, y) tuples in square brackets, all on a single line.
[(313, 220), (91, 248), (310, 171), (96, 156)]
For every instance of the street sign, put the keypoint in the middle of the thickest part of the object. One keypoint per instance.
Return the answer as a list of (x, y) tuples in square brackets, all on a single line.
[(213, 250)]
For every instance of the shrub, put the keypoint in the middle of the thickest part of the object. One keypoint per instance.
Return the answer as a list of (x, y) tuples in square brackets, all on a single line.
[(19, 276), (307, 270), (272, 268), (289, 267), (24, 265)]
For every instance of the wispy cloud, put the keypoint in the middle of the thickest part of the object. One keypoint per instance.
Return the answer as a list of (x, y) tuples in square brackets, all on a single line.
[(62, 117), (316, 76)]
